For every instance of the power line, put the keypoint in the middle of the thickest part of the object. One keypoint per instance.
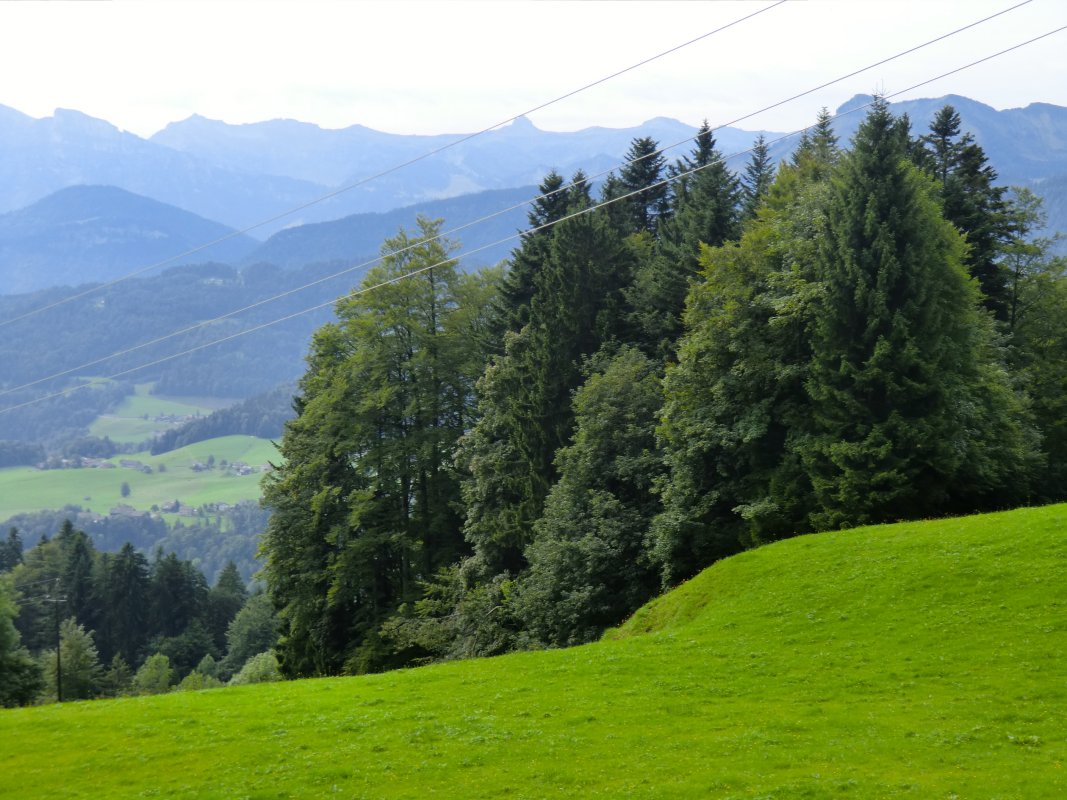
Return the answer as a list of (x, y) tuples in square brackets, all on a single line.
[(590, 209), (395, 168), (457, 229)]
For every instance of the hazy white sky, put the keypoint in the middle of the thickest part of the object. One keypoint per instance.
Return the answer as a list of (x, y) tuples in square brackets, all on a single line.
[(415, 67)]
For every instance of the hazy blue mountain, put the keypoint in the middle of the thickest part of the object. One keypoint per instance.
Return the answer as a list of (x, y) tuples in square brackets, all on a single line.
[(245, 174), (518, 154), (87, 234), (41, 156), (347, 238), (1025, 145)]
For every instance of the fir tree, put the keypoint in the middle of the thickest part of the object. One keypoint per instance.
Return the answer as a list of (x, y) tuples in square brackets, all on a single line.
[(758, 177), (912, 413), (644, 173)]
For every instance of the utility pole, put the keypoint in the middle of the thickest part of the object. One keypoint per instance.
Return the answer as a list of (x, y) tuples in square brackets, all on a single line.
[(55, 600)]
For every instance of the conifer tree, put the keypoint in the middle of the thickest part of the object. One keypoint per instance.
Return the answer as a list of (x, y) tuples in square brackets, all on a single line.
[(705, 212), (643, 173), (759, 174), (122, 589), (79, 664), (11, 550), (517, 288), (524, 398), (972, 202), (912, 414)]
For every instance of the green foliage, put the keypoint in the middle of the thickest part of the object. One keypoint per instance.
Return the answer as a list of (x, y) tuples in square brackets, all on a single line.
[(79, 675), (643, 177), (836, 368), (11, 550), (117, 679), (972, 202), (524, 412), (187, 649), (1037, 297), (758, 177), (253, 630), (124, 593), (912, 411), (196, 681), (704, 211), (154, 676), (737, 389), (261, 668), (589, 564), (921, 660), (366, 503), (20, 676)]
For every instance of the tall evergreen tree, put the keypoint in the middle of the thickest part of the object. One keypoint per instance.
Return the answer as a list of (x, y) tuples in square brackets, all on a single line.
[(178, 594), (122, 589), (512, 310), (224, 600), (524, 398), (972, 202), (11, 550), (758, 177), (76, 583), (705, 212), (644, 173), (912, 414)]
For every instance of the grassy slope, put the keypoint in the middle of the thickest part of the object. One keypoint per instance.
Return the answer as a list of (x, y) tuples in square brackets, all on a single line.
[(24, 489), (920, 660)]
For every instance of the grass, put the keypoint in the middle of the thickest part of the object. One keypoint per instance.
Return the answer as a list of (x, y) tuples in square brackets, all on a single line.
[(24, 489), (128, 423), (921, 660)]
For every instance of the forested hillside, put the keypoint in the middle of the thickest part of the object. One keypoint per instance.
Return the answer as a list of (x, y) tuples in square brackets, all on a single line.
[(671, 368), (129, 624), (689, 364)]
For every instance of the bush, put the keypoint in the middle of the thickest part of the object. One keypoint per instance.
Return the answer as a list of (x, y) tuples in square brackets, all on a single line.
[(262, 668)]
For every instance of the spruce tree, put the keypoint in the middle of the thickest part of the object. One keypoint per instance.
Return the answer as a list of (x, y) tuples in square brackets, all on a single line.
[(911, 411), (758, 177), (524, 397), (972, 202), (644, 173), (705, 212)]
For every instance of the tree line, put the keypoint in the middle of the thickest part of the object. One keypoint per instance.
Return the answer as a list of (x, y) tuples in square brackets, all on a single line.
[(521, 458), (77, 623)]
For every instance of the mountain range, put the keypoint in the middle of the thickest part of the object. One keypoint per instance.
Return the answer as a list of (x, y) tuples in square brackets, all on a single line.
[(199, 180)]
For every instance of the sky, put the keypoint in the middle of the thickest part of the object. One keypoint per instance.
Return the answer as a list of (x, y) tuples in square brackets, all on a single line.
[(455, 66)]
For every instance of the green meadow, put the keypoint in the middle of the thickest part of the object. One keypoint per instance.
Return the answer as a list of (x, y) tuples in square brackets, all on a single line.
[(919, 660), (25, 489), (134, 419)]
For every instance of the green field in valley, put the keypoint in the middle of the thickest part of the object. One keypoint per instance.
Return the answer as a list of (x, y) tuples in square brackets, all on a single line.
[(137, 418), (920, 660), (25, 489)]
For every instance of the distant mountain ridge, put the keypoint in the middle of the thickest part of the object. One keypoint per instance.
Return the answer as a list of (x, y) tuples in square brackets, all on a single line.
[(241, 175), (91, 234)]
